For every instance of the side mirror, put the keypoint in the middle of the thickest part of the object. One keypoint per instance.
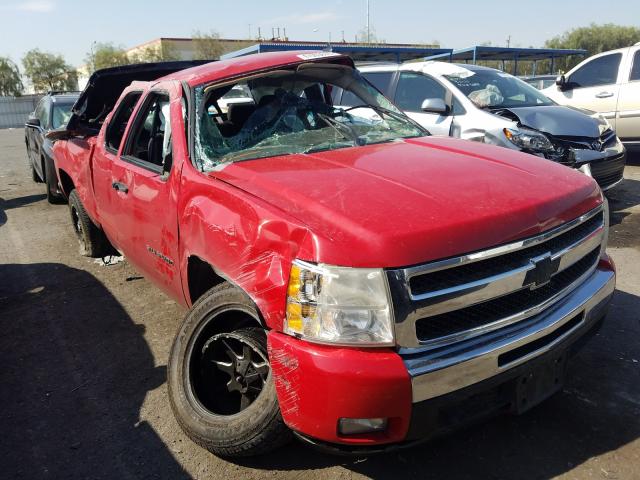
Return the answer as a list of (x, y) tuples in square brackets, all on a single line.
[(33, 122), (434, 105), (561, 82)]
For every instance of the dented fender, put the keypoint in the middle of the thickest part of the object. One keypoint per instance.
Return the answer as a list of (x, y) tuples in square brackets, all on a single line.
[(245, 240)]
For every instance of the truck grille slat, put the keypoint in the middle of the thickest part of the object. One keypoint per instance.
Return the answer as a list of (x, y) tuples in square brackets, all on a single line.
[(450, 277), (459, 298), (431, 328)]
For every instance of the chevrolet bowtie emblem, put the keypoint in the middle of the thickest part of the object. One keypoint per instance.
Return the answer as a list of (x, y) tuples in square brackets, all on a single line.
[(543, 269)]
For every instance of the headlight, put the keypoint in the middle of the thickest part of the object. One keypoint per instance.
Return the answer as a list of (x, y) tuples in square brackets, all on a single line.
[(339, 305), (528, 139)]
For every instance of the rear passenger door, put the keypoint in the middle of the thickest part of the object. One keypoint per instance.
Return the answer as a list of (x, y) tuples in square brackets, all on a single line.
[(628, 118), (415, 87), (145, 185)]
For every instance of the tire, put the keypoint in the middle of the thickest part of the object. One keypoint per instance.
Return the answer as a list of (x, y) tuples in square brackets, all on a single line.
[(54, 196), (92, 241), (201, 396)]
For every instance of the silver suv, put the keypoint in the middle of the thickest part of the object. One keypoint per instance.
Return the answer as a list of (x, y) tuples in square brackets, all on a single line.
[(608, 83), (490, 106)]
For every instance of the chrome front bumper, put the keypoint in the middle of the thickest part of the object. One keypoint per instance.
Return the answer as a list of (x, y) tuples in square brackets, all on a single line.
[(438, 372)]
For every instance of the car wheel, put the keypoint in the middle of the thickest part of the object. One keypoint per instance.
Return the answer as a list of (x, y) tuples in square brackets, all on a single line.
[(54, 195), (91, 239), (221, 386)]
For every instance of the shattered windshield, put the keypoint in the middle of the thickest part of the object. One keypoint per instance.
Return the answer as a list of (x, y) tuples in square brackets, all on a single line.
[(495, 89), (293, 111)]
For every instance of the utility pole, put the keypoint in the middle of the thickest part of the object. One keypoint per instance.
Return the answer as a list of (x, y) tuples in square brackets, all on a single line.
[(508, 41), (368, 24)]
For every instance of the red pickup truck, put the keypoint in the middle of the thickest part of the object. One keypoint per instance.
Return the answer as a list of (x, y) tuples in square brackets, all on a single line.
[(349, 278)]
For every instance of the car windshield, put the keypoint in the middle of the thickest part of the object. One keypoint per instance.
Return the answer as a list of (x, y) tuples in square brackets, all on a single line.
[(61, 114), (495, 89), (293, 111)]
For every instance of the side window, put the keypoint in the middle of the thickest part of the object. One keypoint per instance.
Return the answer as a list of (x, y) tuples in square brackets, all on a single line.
[(380, 80), (349, 99), (600, 71), (414, 88), (39, 108), (635, 69), (119, 121), (151, 135), (457, 108), (45, 112)]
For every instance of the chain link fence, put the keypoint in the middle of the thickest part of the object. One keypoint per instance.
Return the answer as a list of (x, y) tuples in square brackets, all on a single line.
[(14, 111)]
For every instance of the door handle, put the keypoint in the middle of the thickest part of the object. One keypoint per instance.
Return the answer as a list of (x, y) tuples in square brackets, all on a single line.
[(604, 95), (121, 187)]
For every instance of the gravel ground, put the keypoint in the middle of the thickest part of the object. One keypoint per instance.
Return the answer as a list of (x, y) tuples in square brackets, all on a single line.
[(83, 355)]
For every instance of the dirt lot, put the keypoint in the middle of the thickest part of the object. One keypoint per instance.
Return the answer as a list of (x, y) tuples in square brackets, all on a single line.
[(84, 346)]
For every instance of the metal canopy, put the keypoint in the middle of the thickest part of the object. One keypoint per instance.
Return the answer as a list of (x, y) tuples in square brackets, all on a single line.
[(486, 53), (357, 51)]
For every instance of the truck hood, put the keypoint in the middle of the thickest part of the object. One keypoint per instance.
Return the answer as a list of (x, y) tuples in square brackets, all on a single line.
[(416, 200), (558, 120)]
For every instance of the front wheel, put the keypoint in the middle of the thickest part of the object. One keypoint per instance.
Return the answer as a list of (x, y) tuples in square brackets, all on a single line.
[(221, 386)]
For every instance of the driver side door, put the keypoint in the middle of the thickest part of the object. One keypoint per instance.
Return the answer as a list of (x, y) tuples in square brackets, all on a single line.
[(145, 185)]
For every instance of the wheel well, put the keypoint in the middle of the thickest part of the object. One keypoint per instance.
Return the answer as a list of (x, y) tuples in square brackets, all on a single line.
[(66, 183), (201, 278)]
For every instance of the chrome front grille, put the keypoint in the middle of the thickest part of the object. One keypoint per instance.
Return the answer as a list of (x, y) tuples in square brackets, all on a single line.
[(458, 298)]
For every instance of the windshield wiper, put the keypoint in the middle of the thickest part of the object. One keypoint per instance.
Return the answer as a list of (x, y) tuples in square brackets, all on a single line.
[(343, 129)]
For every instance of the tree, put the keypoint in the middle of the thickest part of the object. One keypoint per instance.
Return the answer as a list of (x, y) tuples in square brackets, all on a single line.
[(594, 39), (10, 81), (207, 45), (105, 55), (48, 71), (163, 53)]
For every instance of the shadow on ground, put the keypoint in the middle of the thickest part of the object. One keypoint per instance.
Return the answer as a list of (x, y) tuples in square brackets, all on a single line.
[(15, 203), (75, 371)]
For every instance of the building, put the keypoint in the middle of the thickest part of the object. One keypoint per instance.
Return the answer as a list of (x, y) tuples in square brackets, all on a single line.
[(183, 48), (175, 48)]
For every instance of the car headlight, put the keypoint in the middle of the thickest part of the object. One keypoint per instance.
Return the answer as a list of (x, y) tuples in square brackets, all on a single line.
[(528, 139), (339, 305)]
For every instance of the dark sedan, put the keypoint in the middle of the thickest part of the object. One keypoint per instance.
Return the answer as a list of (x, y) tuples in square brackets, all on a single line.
[(52, 112)]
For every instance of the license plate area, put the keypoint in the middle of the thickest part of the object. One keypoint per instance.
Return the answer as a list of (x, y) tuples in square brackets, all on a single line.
[(540, 383)]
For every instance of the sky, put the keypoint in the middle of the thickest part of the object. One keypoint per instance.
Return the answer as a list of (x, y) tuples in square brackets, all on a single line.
[(69, 27)]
